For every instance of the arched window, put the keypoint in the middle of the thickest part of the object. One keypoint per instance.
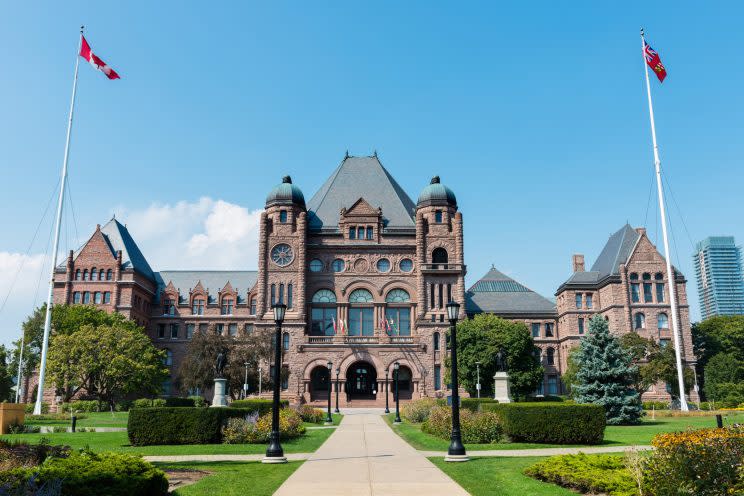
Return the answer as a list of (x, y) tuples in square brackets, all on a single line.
[(398, 296), (360, 296), (93, 274), (101, 275), (662, 321), (85, 275), (633, 276), (323, 313), (77, 275), (439, 256), (324, 296), (361, 313), (659, 276), (635, 288), (436, 341), (109, 274), (285, 341), (640, 321), (551, 356)]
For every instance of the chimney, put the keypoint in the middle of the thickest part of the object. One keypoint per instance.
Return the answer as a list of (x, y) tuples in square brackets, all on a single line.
[(641, 230), (578, 263)]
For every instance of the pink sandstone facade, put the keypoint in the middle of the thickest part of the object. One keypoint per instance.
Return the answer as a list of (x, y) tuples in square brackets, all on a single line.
[(362, 258)]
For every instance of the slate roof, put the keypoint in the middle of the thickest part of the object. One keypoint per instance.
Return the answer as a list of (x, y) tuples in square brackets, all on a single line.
[(616, 251), (499, 294), (118, 238), (212, 280), (360, 177)]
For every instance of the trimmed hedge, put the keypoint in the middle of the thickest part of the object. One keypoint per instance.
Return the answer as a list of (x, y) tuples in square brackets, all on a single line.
[(180, 425), (259, 405), (90, 474), (473, 404), (555, 423)]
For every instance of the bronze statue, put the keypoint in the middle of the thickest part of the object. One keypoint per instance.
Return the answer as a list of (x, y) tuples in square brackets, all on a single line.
[(219, 366), (501, 361)]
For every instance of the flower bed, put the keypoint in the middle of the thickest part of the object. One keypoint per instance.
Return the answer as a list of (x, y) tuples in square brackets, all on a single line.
[(592, 474), (475, 428)]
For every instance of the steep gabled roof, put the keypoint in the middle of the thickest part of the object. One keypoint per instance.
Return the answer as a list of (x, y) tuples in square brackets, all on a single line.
[(118, 238), (360, 177), (499, 294), (211, 280), (617, 251)]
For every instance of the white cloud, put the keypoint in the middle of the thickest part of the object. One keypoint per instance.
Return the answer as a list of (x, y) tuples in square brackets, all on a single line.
[(205, 234)]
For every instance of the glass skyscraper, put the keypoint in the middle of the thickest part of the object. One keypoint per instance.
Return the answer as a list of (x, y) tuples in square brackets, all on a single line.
[(719, 276)]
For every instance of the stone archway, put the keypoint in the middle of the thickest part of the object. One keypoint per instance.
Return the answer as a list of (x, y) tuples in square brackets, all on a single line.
[(319, 377), (361, 381)]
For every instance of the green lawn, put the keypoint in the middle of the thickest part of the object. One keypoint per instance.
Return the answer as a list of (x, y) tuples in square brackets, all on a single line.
[(496, 476), (93, 419), (118, 441), (234, 478), (614, 435)]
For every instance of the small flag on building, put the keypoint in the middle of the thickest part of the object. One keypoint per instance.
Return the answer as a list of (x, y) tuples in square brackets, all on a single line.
[(96, 62), (654, 62)]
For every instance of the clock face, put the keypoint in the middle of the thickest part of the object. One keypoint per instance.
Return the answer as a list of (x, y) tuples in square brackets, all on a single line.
[(282, 254)]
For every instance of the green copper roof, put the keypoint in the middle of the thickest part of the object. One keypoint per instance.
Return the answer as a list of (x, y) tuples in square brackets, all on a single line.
[(437, 193), (285, 193)]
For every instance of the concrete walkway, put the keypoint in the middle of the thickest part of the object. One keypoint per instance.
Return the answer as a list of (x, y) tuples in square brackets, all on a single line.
[(365, 457)]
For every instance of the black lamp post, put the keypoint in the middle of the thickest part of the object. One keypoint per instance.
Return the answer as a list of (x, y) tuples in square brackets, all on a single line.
[(338, 372), (387, 386), (329, 418), (275, 453), (456, 451), (396, 366)]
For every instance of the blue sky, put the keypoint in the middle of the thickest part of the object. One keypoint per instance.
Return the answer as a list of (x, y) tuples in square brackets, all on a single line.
[(534, 114)]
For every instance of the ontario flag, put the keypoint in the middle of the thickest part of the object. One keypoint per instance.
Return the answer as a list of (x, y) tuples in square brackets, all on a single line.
[(95, 61), (654, 61)]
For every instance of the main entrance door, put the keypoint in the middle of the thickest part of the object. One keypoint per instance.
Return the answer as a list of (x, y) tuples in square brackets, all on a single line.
[(361, 382)]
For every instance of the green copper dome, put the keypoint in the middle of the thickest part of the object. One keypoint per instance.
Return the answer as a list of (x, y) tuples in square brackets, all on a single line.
[(286, 193), (436, 193)]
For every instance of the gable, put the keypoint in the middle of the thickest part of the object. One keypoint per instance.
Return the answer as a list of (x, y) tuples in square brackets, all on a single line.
[(362, 209), (95, 250)]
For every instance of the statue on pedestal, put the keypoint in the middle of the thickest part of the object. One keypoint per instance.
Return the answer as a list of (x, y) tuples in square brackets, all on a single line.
[(220, 383), (219, 366), (501, 386)]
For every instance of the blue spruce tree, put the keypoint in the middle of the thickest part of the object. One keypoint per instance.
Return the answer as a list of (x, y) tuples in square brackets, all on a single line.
[(605, 375)]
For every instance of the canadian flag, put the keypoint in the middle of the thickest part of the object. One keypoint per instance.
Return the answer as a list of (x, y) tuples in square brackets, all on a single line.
[(99, 64)]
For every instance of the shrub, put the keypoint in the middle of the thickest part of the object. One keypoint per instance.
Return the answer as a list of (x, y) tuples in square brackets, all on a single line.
[(239, 430), (593, 474), (701, 462), (199, 402), (179, 425), (475, 428), (182, 402), (474, 404), (259, 405), (89, 474), (418, 411), (548, 398), (23, 429), (29, 407), (555, 423), (655, 405), (149, 403), (85, 406), (55, 416), (310, 414), (59, 428), (290, 426)]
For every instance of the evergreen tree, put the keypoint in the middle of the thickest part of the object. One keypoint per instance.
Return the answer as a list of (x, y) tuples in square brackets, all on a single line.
[(605, 375)]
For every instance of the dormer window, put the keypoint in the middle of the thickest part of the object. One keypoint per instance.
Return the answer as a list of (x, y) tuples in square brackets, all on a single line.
[(370, 232), (360, 233), (169, 307), (227, 306), (438, 216), (352, 233), (282, 216), (198, 307)]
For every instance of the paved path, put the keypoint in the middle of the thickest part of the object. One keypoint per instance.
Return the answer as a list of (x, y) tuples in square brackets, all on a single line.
[(365, 457), (543, 451)]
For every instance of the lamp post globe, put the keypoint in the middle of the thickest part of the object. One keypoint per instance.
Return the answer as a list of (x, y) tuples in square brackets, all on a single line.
[(274, 452), (396, 367), (338, 372), (329, 418), (456, 451)]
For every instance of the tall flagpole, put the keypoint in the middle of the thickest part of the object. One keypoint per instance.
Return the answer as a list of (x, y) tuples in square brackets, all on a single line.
[(667, 256), (58, 224)]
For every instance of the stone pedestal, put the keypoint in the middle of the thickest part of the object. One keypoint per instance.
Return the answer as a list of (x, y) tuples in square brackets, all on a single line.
[(220, 390), (501, 387)]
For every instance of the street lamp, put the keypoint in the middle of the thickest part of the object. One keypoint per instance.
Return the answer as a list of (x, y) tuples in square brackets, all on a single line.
[(396, 366), (338, 372), (275, 453), (456, 451), (387, 386), (245, 383), (329, 418), (477, 384)]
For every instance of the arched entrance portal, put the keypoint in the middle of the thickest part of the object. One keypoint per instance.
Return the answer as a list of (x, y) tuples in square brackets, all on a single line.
[(319, 383), (361, 381), (405, 383)]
